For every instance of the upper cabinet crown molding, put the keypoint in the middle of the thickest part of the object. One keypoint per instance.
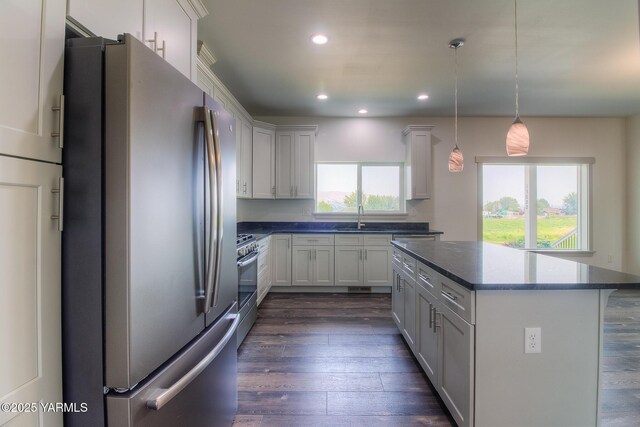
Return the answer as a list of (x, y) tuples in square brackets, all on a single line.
[(205, 54), (265, 125), (299, 128), (199, 8), (411, 128)]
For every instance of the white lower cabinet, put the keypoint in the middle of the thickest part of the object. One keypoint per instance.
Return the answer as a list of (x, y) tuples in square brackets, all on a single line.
[(442, 340), (377, 265), (30, 215), (349, 266), (312, 265), (456, 364), (281, 261), (363, 260), (264, 267)]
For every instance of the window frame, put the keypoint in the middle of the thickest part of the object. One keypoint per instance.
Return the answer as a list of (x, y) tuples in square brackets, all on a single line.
[(585, 207), (403, 197)]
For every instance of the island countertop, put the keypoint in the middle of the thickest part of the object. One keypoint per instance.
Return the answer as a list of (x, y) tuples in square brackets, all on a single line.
[(485, 266)]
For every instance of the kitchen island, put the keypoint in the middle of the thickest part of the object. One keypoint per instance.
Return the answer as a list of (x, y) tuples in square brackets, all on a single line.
[(507, 337)]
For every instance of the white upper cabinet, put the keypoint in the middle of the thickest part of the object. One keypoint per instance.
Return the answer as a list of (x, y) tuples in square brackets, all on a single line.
[(417, 141), (108, 18), (244, 160), (295, 154), (264, 160), (32, 52)]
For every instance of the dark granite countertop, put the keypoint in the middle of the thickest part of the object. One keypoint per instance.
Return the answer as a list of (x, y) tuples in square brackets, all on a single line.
[(484, 266), (262, 229)]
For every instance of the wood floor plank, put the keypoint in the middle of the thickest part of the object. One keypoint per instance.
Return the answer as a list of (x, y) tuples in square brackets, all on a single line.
[(250, 350), (356, 421), (410, 381), (333, 364), (309, 382), (382, 403), (328, 312), (282, 403), (366, 339), (247, 421), (320, 328), (394, 350), (281, 339)]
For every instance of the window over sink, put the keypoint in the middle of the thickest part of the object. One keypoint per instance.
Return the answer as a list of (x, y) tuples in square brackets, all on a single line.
[(342, 187)]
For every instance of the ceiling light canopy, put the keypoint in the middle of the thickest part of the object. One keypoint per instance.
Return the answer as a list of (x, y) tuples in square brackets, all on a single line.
[(518, 135), (322, 96), (319, 39), (423, 97), (363, 111), (456, 159)]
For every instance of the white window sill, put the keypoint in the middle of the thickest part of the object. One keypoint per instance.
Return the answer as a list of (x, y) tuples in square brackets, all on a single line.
[(371, 215)]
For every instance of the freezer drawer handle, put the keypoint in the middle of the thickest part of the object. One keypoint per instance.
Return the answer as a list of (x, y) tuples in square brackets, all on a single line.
[(167, 394)]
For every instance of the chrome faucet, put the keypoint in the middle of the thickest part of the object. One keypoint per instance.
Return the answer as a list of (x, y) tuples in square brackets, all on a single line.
[(360, 212)]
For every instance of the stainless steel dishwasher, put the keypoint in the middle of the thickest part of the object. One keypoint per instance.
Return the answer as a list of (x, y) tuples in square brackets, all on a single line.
[(415, 238)]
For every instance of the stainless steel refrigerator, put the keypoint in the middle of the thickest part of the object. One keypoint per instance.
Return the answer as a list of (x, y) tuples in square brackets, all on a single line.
[(149, 262)]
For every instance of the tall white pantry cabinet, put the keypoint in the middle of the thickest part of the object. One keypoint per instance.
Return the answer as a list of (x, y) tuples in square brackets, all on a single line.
[(31, 137)]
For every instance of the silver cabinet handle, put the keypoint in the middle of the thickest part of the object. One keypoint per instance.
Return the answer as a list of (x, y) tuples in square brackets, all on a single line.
[(449, 296), (244, 188), (163, 49), (60, 133), (167, 394), (315, 254), (154, 40), (60, 192), (273, 190), (430, 316), (360, 252), (365, 253)]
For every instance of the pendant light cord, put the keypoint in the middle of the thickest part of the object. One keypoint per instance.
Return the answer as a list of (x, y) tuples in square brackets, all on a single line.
[(455, 56), (516, 28)]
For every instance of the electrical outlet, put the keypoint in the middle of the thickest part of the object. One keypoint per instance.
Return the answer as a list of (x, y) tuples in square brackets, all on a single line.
[(306, 212), (532, 340)]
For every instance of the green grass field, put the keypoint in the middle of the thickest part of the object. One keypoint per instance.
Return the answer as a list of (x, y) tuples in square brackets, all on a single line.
[(510, 230)]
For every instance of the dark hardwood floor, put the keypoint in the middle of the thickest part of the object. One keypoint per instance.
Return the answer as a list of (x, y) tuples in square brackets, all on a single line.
[(338, 360), (331, 360), (621, 361)]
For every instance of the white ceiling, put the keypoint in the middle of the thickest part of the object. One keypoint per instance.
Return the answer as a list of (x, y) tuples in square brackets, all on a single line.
[(576, 57)]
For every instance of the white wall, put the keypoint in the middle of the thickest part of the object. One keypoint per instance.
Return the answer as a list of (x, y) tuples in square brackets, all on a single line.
[(453, 206), (633, 195)]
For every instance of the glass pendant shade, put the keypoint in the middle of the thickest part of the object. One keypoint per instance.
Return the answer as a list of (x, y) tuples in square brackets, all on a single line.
[(518, 139), (456, 160)]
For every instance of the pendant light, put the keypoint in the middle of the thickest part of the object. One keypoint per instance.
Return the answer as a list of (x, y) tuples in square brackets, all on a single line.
[(518, 135), (456, 160)]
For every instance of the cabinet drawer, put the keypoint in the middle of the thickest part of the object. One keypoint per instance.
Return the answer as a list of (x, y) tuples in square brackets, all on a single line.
[(263, 262), (349, 239), (396, 257), (427, 278), (457, 298), (377, 239), (409, 266), (313, 240), (264, 279), (264, 244)]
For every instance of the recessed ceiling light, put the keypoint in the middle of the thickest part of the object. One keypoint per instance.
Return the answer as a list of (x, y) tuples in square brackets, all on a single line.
[(423, 96), (322, 96), (363, 111), (319, 39)]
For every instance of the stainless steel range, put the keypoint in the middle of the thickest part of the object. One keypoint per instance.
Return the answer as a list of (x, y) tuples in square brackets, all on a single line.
[(247, 262)]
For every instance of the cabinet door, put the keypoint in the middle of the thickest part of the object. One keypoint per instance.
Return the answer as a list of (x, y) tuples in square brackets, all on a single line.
[(349, 265), (377, 265), (246, 178), (284, 163), (30, 288), (264, 151), (302, 265), (303, 165), (173, 25), (456, 365), (409, 298), (108, 19), (426, 349), (32, 34), (397, 300), (323, 270), (281, 261), (420, 153)]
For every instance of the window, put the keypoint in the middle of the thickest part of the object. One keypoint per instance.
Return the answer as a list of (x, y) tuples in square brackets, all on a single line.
[(535, 203), (341, 187)]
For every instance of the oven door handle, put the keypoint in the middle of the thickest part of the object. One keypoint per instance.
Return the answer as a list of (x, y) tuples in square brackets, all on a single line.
[(246, 262)]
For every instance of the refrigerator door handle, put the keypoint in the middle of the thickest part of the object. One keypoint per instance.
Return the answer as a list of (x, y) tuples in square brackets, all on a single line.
[(165, 395), (219, 207), (213, 228)]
